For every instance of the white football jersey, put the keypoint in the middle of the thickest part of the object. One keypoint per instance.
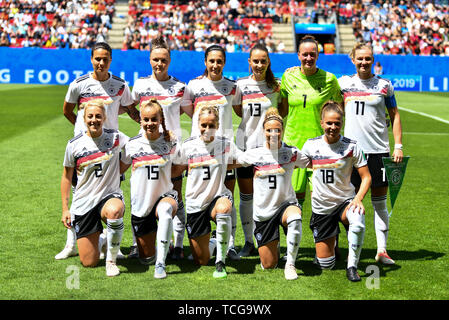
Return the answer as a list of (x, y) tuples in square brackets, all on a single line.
[(168, 93), (96, 163), (202, 92), (332, 168), (365, 103), (151, 171), (272, 177), (114, 91), (207, 166), (255, 97)]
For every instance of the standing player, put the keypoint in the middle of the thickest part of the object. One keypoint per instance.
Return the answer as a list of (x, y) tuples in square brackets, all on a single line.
[(275, 202), (99, 84), (254, 95), (206, 156), (94, 154), (334, 199), (304, 89), (152, 194), (168, 91), (212, 89), (366, 97)]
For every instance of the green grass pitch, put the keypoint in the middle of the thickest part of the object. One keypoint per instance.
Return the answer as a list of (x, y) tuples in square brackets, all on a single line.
[(33, 136)]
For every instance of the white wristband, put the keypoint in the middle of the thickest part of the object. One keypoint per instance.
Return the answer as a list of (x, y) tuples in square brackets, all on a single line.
[(398, 146)]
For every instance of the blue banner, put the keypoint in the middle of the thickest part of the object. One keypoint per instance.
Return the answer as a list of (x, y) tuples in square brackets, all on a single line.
[(314, 28), (47, 66)]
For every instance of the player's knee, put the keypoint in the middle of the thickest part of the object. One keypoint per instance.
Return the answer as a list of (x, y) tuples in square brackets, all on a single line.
[(114, 211), (203, 260), (356, 220), (270, 264), (165, 210), (89, 261), (224, 207)]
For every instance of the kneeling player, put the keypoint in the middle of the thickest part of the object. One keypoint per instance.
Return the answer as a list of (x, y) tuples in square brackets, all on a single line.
[(334, 199), (152, 194), (206, 157), (95, 156), (275, 201)]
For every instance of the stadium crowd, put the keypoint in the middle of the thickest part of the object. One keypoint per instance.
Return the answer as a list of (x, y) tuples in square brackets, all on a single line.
[(399, 27), (417, 27), (55, 24), (195, 25)]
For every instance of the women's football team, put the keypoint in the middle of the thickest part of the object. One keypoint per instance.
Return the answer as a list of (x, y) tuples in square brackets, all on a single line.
[(343, 168)]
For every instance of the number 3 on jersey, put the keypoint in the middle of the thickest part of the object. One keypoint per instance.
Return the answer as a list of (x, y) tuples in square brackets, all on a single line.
[(206, 173), (98, 167)]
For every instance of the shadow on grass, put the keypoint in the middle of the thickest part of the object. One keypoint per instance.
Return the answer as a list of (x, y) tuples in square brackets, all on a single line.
[(304, 261)]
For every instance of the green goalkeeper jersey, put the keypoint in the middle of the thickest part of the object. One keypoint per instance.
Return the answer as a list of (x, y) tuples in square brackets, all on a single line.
[(306, 95)]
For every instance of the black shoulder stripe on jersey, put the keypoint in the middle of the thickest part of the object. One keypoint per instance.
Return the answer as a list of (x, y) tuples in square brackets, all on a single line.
[(229, 79), (177, 80), (347, 140), (110, 130), (82, 78), (136, 137), (190, 139), (117, 78), (76, 137)]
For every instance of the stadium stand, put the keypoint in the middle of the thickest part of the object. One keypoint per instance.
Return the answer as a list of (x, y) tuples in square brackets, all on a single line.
[(194, 25), (55, 24), (399, 27), (392, 26)]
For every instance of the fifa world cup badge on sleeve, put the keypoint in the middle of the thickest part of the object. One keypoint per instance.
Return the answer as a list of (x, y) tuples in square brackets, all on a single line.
[(395, 172)]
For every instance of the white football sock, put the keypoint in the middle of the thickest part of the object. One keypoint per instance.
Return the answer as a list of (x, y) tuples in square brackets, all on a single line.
[(179, 226), (381, 221), (114, 238), (326, 263), (71, 238), (356, 234), (223, 221), (294, 228), (164, 230), (246, 216)]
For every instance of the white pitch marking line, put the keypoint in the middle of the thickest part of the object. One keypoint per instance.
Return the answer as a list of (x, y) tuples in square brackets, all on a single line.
[(428, 133), (425, 115)]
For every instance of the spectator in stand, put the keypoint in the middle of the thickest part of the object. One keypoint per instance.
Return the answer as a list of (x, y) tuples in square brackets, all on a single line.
[(378, 69), (4, 41)]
